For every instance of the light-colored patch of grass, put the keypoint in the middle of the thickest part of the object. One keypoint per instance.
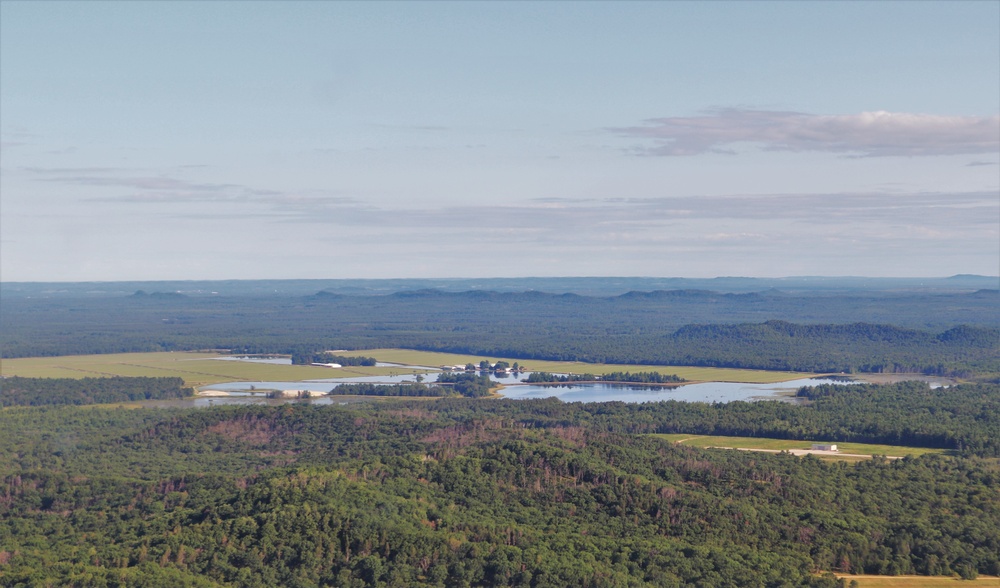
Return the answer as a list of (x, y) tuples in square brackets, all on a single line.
[(786, 444), (196, 369), (919, 581)]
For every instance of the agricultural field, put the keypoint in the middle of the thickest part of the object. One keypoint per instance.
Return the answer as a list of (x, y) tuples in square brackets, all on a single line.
[(197, 369), (763, 444), (201, 368)]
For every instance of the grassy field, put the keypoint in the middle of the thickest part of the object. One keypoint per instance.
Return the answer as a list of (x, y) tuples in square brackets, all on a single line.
[(199, 369), (919, 581), (784, 444)]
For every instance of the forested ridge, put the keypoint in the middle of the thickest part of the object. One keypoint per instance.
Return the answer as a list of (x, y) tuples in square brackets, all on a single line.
[(955, 334), (589, 286), (462, 493)]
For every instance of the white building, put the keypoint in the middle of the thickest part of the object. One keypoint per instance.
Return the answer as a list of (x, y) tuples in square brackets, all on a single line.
[(824, 446)]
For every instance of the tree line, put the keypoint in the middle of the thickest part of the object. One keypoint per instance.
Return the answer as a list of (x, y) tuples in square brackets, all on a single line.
[(636, 378), (310, 357), (18, 391), (391, 390)]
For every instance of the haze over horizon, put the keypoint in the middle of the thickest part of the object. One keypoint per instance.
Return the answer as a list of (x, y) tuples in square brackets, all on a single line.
[(264, 140)]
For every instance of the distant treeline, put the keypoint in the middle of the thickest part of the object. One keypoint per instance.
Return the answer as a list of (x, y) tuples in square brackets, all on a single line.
[(946, 334), (17, 391), (637, 378), (393, 390), (456, 384), (307, 358)]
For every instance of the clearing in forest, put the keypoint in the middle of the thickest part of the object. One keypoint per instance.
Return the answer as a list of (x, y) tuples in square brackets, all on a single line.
[(845, 451), (200, 369)]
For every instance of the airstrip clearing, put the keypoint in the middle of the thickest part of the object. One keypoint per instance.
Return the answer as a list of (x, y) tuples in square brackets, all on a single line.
[(202, 368), (845, 451)]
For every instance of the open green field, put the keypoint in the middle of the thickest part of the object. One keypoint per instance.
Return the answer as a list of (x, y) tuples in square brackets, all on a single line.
[(919, 581), (199, 369), (759, 443)]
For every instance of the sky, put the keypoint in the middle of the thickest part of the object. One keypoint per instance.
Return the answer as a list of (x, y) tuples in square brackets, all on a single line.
[(264, 140)]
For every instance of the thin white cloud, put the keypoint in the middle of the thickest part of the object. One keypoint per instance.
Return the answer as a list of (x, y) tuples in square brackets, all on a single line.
[(868, 134), (147, 188), (656, 218), (56, 171), (152, 183)]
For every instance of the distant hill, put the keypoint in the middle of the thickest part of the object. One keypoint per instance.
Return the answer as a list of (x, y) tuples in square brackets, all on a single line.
[(589, 286)]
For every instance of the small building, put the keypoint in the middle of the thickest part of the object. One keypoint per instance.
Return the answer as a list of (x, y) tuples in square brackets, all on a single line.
[(328, 365), (824, 446)]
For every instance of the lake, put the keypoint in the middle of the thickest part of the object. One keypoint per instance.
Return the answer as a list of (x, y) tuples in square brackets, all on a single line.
[(255, 392), (702, 392), (251, 392)]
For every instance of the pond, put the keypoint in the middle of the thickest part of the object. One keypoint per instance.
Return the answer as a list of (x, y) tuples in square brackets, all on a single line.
[(254, 392), (702, 392), (231, 393)]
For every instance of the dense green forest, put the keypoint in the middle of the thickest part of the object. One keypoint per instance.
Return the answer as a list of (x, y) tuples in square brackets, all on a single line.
[(462, 492), (40, 391), (948, 334), (963, 418)]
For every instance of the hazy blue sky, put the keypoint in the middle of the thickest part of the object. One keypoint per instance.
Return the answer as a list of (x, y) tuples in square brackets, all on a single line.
[(212, 140)]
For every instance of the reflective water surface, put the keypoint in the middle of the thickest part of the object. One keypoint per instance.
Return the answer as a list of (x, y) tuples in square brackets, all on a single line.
[(703, 392), (233, 393), (255, 392)]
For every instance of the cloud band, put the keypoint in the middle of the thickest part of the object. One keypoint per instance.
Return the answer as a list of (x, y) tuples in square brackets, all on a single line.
[(868, 134)]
